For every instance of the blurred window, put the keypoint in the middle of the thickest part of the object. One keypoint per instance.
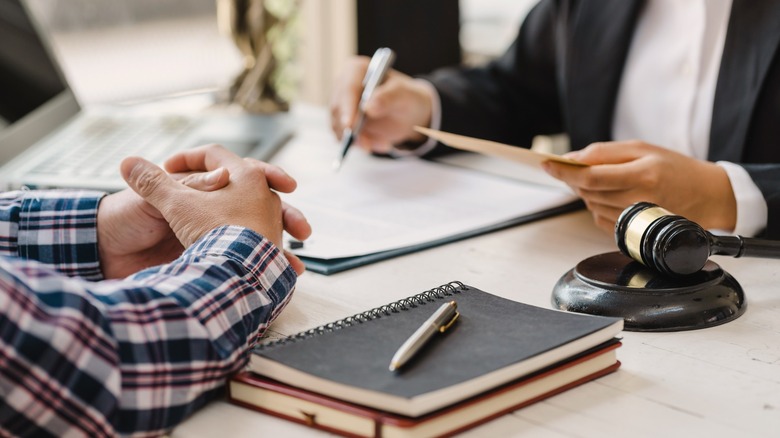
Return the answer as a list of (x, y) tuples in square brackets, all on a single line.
[(150, 47)]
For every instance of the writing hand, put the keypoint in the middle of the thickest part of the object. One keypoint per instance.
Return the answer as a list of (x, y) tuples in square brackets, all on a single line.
[(625, 172), (396, 106)]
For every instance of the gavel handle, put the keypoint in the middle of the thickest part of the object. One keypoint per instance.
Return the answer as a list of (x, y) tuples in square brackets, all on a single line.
[(738, 246)]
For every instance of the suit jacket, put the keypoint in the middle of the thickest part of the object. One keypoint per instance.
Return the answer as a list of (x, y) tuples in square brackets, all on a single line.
[(563, 71)]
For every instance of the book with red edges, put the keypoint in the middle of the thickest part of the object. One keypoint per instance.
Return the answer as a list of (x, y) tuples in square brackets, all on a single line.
[(494, 342), (348, 419)]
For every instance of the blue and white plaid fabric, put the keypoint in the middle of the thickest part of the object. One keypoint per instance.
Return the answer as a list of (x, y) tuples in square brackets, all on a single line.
[(83, 356)]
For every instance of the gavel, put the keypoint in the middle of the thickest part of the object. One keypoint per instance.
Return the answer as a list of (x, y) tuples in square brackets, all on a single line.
[(676, 246)]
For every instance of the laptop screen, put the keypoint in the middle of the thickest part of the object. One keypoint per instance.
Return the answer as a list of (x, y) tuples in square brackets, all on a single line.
[(28, 79), (34, 97)]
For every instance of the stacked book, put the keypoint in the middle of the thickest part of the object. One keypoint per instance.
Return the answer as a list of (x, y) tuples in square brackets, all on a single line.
[(499, 356)]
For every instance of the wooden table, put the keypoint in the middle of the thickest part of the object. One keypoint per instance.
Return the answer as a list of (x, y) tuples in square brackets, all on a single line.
[(718, 382)]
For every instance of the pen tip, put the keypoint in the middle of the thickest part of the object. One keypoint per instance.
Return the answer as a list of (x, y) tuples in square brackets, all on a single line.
[(393, 366), (336, 165)]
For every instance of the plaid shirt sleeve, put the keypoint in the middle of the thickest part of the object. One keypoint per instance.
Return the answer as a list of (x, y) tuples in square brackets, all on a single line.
[(133, 356), (57, 228)]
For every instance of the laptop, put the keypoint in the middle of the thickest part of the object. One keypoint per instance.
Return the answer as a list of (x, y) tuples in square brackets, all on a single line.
[(48, 140)]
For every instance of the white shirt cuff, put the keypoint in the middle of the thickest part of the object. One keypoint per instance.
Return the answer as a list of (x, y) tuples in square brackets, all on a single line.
[(435, 124), (752, 210)]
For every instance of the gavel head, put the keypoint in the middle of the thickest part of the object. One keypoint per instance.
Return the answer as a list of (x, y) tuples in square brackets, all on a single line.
[(653, 236)]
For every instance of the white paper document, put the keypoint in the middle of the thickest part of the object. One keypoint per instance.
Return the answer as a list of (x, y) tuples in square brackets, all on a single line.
[(376, 204)]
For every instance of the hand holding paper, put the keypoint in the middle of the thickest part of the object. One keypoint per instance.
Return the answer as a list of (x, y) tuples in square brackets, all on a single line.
[(487, 147)]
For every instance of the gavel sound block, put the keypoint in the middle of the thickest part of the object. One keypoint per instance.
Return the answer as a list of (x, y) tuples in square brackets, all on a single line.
[(662, 278)]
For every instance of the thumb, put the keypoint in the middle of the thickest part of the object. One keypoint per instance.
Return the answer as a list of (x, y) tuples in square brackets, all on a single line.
[(206, 181), (380, 102), (609, 152), (149, 181)]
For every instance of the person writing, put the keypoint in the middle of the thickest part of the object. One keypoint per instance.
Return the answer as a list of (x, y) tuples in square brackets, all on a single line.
[(122, 314), (670, 102)]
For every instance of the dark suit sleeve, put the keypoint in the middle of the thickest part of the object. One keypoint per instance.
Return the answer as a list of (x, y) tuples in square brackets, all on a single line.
[(767, 178), (513, 98)]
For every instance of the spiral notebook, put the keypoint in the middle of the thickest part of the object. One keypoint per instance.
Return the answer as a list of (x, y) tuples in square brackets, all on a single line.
[(495, 341)]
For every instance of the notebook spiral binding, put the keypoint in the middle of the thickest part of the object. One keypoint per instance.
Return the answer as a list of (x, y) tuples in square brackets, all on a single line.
[(437, 293)]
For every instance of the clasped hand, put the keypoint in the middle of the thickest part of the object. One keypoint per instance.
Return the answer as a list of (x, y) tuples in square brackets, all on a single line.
[(160, 214)]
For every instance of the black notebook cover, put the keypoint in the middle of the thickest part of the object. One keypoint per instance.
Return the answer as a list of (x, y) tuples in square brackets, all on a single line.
[(495, 340)]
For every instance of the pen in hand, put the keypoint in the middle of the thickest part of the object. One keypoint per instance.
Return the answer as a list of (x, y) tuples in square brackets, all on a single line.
[(377, 70), (440, 321)]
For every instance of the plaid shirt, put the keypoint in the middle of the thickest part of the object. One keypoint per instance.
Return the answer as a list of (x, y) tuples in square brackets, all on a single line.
[(83, 356)]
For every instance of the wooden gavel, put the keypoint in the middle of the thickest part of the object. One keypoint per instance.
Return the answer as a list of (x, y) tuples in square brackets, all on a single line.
[(676, 246)]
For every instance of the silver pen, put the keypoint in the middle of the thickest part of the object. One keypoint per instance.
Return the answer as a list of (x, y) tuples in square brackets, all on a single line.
[(377, 70), (440, 321)]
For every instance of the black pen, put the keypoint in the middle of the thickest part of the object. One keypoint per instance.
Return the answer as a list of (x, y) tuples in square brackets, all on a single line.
[(440, 321), (377, 70)]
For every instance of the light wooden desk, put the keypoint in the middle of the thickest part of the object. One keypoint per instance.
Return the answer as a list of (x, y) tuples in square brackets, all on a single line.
[(718, 382)]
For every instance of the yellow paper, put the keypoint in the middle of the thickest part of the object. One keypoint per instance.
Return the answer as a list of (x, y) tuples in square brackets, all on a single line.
[(487, 147)]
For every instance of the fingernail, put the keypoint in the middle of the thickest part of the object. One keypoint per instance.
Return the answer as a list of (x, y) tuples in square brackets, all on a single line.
[(137, 167), (279, 170), (212, 177)]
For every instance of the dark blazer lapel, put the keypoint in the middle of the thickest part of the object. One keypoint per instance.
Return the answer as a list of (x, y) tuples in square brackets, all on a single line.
[(751, 42), (599, 36)]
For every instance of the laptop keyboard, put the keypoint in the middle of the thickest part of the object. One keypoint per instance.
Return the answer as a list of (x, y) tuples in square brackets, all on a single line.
[(95, 147)]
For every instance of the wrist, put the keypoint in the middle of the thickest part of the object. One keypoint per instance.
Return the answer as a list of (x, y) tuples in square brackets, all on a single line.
[(105, 240), (427, 110), (720, 212), (429, 116)]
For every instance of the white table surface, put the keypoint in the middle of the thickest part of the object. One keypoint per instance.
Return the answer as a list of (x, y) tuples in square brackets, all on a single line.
[(717, 382)]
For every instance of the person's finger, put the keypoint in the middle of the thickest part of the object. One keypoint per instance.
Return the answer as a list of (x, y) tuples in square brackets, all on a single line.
[(380, 103), (367, 141), (295, 262), (275, 176), (612, 198), (149, 181), (349, 93), (211, 157), (606, 177), (388, 98), (295, 222), (604, 216), (612, 152), (604, 223), (207, 181), (201, 158), (606, 211)]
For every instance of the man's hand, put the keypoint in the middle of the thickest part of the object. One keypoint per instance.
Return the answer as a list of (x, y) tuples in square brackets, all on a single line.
[(133, 235), (625, 172), (396, 106), (210, 158)]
